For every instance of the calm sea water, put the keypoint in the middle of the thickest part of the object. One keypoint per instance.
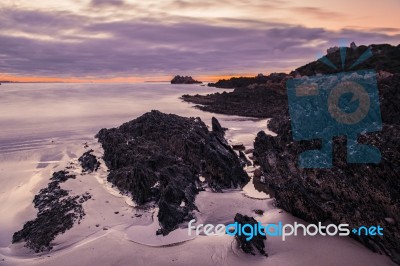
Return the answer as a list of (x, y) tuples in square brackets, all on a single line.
[(35, 115)]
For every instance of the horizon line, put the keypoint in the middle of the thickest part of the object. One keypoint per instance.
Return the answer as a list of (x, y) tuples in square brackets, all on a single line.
[(203, 78)]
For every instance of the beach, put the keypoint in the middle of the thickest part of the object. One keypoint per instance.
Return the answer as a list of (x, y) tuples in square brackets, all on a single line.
[(47, 127)]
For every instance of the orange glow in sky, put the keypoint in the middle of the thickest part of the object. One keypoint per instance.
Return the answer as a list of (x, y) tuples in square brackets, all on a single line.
[(137, 41)]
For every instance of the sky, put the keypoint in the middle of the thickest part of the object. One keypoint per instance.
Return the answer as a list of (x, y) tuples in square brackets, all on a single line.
[(130, 40)]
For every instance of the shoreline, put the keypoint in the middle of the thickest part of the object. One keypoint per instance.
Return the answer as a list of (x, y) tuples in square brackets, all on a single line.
[(209, 204)]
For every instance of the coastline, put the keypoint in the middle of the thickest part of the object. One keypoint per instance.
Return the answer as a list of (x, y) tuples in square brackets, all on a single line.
[(83, 239)]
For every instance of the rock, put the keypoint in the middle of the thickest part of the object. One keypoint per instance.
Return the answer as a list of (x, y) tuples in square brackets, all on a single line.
[(249, 82), (385, 57), (337, 194), (259, 212), (57, 212), (257, 173), (159, 157), (249, 151), (384, 74), (263, 101), (353, 46), (61, 176), (332, 50), (184, 80), (357, 194), (238, 147), (244, 159), (217, 128), (390, 220), (256, 243), (89, 162)]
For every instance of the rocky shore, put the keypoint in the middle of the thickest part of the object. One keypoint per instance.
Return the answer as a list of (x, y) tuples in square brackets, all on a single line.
[(159, 158), (57, 213), (256, 100), (237, 82), (357, 194)]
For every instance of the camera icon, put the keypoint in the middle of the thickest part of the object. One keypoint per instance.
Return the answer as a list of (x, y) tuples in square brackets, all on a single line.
[(325, 106)]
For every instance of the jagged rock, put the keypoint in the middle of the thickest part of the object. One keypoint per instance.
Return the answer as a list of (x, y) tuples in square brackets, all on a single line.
[(390, 220), (257, 173), (249, 151), (217, 128), (332, 50), (240, 82), (384, 74), (57, 212), (61, 176), (256, 243), (238, 147), (263, 100), (350, 193), (244, 159), (89, 162), (353, 46), (357, 194), (385, 57), (159, 157), (184, 80)]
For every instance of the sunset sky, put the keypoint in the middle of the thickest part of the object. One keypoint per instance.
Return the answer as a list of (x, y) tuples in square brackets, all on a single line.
[(130, 40)]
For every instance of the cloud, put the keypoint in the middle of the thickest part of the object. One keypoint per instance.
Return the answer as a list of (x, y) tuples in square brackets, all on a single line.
[(85, 46), (318, 13), (102, 3), (15, 21)]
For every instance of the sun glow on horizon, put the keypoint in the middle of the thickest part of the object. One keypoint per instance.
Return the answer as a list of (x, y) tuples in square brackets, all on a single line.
[(19, 79)]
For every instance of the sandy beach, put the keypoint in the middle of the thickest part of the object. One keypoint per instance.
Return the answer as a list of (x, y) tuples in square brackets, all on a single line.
[(117, 232)]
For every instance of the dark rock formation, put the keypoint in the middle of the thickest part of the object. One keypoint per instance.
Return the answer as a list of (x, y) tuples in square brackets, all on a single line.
[(217, 128), (256, 243), (254, 101), (385, 57), (244, 159), (159, 157), (357, 194), (184, 80), (89, 162), (238, 147), (246, 81), (57, 212)]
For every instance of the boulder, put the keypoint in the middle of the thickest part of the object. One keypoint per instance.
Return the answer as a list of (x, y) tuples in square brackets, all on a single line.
[(159, 157), (254, 244), (89, 162)]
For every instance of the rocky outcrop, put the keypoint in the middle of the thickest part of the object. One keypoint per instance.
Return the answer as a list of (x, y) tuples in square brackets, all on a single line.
[(89, 162), (357, 194), (256, 101), (184, 80), (256, 242), (57, 212), (385, 57), (238, 82), (159, 157)]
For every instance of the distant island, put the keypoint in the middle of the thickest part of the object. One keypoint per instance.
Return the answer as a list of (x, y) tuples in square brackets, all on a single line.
[(184, 80)]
